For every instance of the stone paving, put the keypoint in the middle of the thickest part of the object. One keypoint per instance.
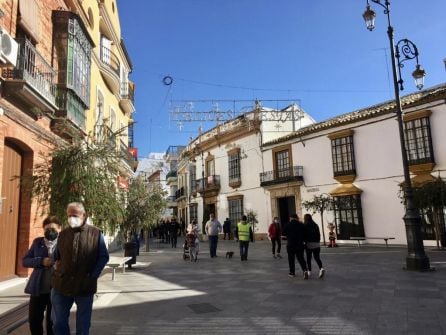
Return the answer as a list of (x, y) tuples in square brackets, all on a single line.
[(365, 291)]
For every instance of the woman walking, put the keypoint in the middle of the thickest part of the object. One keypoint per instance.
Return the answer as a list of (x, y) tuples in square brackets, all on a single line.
[(313, 245)]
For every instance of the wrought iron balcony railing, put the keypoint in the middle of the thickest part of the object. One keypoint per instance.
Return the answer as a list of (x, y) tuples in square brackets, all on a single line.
[(210, 183), (34, 70), (281, 176), (109, 59), (181, 192)]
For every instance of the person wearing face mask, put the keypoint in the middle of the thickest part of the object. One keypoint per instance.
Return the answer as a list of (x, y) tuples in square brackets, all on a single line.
[(39, 257), (80, 256), (275, 235)]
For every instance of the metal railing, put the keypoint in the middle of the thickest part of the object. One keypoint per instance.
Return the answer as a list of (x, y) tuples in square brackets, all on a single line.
[(35, 70), (128, 92), (110, 60), (180, 192), (277, 176), (125, 153), (208, 183)]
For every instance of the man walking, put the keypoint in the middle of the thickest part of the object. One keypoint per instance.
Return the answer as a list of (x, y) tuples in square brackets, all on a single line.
[(295, 233), (244, 234), (80, 256), (212, 228), (173, 230)]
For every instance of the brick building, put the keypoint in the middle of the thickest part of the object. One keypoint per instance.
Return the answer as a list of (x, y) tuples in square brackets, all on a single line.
[(55, 69)]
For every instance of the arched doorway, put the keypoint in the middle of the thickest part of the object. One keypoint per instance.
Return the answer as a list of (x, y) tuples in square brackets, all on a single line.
[(10, 209)]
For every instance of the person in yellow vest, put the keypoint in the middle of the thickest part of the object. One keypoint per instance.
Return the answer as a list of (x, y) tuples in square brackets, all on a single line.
[(244, 234)]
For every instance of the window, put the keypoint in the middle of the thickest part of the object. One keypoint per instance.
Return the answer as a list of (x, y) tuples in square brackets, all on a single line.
[(79, 61), (343, 156), (193, 179), (235, 206), (348, 216), (418, 141), (193, 212), (112, 120), (99, 117), (234, 168), (210, 168), (282, 160)]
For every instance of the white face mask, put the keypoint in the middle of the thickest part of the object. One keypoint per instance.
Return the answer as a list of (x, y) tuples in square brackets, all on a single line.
[(74, 222)]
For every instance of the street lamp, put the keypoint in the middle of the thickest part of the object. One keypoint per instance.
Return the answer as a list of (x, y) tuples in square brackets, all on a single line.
[(404, 50)]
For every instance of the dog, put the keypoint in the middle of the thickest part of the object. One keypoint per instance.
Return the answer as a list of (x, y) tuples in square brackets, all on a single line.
[(229, 254)]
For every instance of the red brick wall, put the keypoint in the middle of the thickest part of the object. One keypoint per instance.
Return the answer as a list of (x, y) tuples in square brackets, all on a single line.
[(32, 145)]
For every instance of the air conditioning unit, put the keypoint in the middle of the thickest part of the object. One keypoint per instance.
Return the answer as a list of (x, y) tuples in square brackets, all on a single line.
[(8, 49)]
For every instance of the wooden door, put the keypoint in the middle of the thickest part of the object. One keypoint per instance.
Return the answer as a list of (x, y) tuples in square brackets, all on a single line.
[(9, 215)]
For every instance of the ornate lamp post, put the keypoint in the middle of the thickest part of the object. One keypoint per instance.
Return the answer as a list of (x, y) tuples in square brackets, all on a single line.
[(404, 50)]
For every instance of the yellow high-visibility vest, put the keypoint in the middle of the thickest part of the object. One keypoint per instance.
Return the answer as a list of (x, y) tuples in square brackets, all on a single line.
[(243, 231)]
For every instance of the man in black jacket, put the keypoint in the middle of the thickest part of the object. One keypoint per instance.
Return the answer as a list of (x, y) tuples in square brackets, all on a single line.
[(295, 233)]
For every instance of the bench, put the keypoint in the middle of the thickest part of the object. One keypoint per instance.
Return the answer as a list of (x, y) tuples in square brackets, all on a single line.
[(362, 238), (116, 262)]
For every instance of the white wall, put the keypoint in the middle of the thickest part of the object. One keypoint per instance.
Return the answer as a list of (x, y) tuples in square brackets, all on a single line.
[(378, 169)]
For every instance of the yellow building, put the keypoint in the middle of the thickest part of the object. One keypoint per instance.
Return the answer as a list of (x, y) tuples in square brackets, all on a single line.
[(111, 92)]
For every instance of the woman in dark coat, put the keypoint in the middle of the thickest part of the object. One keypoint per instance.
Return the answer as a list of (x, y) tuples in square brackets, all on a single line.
[(313, 244), (39, 257)]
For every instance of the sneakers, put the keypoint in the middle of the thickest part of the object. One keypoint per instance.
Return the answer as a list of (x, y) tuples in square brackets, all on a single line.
[(274, 256), (291, 274), (278, 256), (305, 274), (309, 274), (321, 272)]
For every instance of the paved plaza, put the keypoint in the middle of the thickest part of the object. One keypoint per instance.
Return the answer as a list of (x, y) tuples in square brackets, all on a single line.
[(365, 291)]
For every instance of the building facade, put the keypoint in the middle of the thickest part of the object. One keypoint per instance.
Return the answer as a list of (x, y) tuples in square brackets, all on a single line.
[(356, 159), (51, 68), (219, 170)]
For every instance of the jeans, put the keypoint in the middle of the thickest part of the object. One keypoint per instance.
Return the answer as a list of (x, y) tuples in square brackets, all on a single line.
[(279, 245), (293, 253), (61, 313), (213, 240), (316, 252), (244, 245), (37, 307)]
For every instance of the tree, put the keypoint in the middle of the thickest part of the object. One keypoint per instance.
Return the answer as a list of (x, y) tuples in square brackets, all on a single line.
[(144, 208), (251, 218), (319, 204), (81, 171), (431, 198)]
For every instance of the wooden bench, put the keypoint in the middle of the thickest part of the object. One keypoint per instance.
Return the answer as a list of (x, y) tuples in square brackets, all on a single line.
[(362, 238), (116, 262)]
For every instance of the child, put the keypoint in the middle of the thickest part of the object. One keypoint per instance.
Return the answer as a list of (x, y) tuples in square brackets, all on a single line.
[(191, 237)]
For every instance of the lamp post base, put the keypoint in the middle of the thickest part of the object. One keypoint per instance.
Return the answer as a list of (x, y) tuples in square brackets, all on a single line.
[(418, 263)]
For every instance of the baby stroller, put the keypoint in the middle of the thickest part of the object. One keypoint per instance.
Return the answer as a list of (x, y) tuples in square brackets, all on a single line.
[(186, 254)]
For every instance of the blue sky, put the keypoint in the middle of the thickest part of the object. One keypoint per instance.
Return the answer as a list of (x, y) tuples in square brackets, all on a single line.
[(317, 53)]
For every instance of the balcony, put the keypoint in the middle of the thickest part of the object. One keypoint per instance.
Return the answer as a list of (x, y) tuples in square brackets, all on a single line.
[(171, 178), (33, 80), (291, 174), (209, 186), (110, 68), (127, 156), (127, 102), (180, 193)]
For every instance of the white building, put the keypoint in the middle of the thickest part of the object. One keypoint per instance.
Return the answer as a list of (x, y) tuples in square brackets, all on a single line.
[(356, 158), (219, 170)]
